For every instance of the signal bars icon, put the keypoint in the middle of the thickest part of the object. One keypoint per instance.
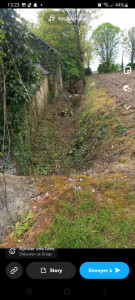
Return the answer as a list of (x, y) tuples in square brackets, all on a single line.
[(106, 4)]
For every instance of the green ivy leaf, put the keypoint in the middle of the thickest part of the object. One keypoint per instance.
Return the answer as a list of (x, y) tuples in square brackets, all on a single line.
[(30, 215), (11, 235), (22, 214), (2, 22), (26, 226), (19, 231)]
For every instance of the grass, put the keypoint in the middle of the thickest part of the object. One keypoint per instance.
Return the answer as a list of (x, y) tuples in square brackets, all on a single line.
[(131, 196), (80, 219), (111, 184), (119, 130), (99, 125), (86, 231), (82, 222)]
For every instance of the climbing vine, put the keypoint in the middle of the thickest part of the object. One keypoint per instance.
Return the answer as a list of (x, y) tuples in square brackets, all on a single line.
[(45, 51), (18, 66), (50, 59)]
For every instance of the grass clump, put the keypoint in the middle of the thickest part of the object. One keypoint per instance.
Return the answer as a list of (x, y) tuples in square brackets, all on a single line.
[(82, 222)]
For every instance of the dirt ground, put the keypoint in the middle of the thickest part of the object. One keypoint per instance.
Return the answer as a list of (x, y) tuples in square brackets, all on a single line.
[(114, 83), (43, 206), (19, 194)]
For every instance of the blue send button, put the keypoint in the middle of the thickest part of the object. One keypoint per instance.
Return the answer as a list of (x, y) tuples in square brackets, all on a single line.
[(104, 270)]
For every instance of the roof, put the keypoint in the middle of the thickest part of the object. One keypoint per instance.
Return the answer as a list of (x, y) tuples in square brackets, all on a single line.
[(41, 40)]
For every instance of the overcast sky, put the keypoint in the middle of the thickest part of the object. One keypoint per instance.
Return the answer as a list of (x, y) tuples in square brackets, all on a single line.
[(123, 18)]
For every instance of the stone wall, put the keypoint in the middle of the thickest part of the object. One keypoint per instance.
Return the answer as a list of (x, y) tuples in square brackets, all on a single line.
[(40, 100), (38, 104), (59, 82)]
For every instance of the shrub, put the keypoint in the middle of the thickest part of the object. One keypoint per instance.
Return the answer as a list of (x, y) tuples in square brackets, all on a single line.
[(88, 71), (108, 68), (132, 66)]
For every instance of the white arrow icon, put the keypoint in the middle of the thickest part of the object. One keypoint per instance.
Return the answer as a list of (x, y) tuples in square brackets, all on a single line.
[(127, 107), (117, 270)]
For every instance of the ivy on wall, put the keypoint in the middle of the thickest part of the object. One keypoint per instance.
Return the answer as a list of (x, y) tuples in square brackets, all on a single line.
[(50, 59), (20, 52), (17, 86)]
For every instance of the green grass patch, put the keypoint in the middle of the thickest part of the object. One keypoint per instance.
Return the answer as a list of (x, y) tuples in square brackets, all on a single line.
[(119, 130), (83, 223), (90, 230), (131, 196), (87, 107), (111, 184)]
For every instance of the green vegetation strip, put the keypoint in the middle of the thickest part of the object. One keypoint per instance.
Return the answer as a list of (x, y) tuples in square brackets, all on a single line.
[(82, 222)]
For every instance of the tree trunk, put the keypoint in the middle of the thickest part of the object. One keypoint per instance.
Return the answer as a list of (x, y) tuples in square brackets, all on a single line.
[(132, 58), (74, 18), (80, 52), (122, 65)]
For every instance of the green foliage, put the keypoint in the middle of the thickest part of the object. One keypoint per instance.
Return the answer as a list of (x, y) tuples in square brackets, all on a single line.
[(106, 38), (88, 71), (100, 132), (21, 226), (131, 65), (120, 130), (108, 68), (17, 57), (60, 35), (2, 36), (22, 152), (49, 58)]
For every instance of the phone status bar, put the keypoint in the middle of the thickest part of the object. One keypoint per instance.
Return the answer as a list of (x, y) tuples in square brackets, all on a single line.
[(44, 5), (112, 5), (25, 5)]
